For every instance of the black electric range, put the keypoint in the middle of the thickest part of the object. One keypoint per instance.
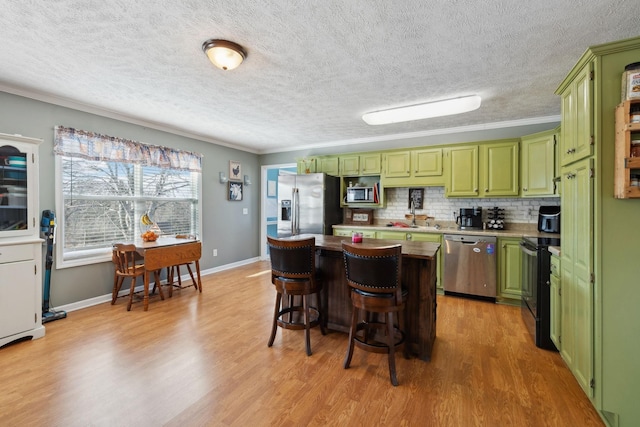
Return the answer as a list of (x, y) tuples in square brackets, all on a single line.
[(536, 289)]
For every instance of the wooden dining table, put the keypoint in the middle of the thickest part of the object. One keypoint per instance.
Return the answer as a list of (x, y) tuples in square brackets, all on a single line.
[(167, 252)]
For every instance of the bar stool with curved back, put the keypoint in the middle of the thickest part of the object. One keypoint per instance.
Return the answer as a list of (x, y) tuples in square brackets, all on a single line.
[(374, 277), (125, 257), (293, 273)]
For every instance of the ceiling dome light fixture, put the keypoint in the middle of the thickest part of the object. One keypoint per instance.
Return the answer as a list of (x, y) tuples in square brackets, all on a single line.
[(224, 54), (446, 107)]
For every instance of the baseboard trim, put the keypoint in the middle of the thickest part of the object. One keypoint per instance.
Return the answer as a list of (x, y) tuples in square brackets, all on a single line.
[(107, 297)]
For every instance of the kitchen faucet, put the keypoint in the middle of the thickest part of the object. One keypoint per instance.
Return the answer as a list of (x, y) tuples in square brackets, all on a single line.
[(413, 211)]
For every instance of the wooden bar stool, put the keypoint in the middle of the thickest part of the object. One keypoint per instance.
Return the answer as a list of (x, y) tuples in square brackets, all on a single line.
[(374, 276), (293, 273)]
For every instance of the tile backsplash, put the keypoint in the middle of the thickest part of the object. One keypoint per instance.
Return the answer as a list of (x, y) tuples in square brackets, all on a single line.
[(516, 210)]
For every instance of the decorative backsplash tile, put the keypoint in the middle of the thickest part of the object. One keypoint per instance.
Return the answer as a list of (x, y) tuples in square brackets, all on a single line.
[(442, 209)]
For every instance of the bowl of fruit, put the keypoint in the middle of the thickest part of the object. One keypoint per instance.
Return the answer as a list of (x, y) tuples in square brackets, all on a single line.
[(149, 236)]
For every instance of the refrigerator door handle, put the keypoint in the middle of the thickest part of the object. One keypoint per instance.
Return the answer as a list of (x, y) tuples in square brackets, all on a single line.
[(295, 212)]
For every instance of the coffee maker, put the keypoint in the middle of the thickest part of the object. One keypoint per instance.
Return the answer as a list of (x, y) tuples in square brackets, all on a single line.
[(470, 219)]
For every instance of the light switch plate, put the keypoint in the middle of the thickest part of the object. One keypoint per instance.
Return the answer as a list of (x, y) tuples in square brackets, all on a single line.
[(245, 211)]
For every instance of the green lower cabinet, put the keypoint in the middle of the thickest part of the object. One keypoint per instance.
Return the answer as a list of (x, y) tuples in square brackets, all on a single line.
[(393, 235), (509, 270), (344, 232)]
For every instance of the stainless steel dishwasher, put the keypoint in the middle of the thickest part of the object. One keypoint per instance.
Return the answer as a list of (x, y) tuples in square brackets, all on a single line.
[(470, 265)]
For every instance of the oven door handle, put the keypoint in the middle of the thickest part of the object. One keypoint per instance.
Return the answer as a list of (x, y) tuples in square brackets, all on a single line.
[(527, 250)]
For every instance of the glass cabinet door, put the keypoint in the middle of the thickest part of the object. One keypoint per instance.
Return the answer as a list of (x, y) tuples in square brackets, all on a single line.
[(13, 189)]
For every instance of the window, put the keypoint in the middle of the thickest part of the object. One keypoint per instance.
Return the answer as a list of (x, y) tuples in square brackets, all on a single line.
[(104, 185)]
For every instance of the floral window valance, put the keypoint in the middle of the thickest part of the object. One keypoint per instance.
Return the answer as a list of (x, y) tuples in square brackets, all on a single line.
[(93, 146)]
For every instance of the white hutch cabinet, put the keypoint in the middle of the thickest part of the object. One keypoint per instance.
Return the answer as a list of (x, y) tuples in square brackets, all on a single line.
[(20, 242)]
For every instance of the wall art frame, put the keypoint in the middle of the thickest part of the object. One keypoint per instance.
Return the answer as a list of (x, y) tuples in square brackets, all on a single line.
[(235, 191), (235, 171)]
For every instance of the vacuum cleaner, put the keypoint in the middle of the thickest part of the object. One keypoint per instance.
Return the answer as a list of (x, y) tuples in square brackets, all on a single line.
[(48, 231)]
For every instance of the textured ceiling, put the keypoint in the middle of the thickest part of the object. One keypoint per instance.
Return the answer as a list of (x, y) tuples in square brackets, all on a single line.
[(313, 67)]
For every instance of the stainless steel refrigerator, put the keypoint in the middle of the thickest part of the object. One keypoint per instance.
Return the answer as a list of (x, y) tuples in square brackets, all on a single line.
[(308, 204)]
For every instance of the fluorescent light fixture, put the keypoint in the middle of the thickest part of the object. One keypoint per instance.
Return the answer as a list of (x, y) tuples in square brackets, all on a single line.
[(446, 107)]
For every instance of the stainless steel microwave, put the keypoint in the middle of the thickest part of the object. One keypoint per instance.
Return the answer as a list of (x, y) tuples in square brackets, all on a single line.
[(360, 195)]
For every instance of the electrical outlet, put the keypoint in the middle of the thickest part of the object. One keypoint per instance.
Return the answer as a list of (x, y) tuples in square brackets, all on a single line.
[(215, 252), (245, 211)]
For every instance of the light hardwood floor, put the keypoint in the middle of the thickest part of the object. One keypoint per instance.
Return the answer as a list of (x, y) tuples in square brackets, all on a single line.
[(202, 360)]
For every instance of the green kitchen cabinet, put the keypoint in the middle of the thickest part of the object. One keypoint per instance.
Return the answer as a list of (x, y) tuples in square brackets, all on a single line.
[(393, 235), (538, 164), (486, 170), (600, 319), (360, 164), (397, 164), (413, 168), (555, 302), (499, 169), (371, 234), (509, 269), (329, 165), (462, 171), (577, 137), (306, 165), (577, 267), (427, 162)]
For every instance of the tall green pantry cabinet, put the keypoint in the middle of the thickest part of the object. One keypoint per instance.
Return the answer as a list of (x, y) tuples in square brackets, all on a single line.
[(600, 308)]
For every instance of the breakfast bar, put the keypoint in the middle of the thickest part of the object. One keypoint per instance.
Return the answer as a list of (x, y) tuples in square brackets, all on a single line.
[(418, 276)]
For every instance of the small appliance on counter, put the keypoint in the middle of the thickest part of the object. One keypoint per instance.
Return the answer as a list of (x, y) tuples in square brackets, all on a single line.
[(495, 218), (549, 219), (470, 219)]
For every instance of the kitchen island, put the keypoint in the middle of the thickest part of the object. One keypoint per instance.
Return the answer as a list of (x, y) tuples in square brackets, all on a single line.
[(418, 276)]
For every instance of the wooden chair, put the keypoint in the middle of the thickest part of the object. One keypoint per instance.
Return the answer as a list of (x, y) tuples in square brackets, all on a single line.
[(293, 272), (118, 279), (124, 257), (175, 270), (374, 277)]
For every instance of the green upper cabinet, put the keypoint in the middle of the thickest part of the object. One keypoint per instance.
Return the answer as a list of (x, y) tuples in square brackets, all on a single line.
[(328, 165), (499, 169), (362, 164), (485, 170), (462, 171), (306, 165), (576, 140), (397, 165), (412, 168), (538, 164), (350, 165), (427, 162)]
